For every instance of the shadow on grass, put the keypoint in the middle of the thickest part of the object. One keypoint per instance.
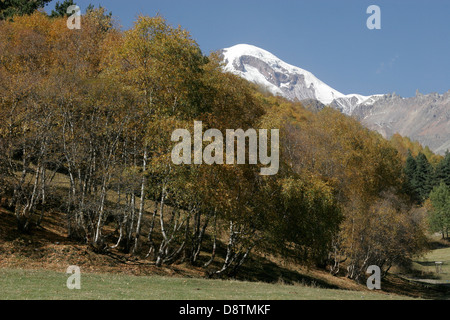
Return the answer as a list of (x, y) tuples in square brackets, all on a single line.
[(261, 269), (439, 244), (426, 263), (402, 286)]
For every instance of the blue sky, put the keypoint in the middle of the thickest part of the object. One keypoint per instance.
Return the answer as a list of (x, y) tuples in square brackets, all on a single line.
[(326, 37)]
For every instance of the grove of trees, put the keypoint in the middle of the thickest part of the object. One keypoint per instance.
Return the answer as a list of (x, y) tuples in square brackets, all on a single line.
[(86, 118), (422, 176)]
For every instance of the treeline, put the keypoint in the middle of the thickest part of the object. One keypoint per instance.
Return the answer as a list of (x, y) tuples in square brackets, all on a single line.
[(11, 8), (439, 207), (97, 106), (429, 185), (407, 147), (422, 176)]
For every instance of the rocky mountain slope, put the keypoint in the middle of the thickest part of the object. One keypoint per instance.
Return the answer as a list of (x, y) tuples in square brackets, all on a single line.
[(280, 78), (425, 118)]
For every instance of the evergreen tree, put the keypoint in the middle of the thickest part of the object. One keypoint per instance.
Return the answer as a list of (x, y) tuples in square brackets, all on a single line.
[(422, 182), (410, 175), (10, 8), (439, 218), (420, 177), (443, 170), (61, 9)]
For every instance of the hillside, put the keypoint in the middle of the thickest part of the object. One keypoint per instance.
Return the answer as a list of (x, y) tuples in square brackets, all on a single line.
[(26, 261), (425, 118), (98, 167)]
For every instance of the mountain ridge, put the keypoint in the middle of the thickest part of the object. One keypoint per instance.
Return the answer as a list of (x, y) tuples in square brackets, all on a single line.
[(425, 118), (280, 78)]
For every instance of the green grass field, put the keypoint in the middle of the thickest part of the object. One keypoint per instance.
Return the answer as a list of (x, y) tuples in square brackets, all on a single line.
[(428, 267), (48, 285)]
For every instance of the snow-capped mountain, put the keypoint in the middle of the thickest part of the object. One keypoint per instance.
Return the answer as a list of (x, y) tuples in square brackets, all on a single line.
[(425, 118), (280, 78)]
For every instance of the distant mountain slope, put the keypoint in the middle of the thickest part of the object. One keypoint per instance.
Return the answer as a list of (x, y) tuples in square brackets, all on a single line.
[(425, 118)]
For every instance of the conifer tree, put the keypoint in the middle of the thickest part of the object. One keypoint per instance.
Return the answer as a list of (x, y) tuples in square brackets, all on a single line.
[(10, 8), (61, 9), (439, 218), (410, 173), (422, 180), (443, 170)]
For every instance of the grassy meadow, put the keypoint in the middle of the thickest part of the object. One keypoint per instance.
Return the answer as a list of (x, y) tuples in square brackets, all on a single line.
[(49, 285)]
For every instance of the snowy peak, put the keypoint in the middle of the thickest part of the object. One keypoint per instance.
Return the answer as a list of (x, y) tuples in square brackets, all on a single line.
[(280, 78), (425, 118), (262, 67)]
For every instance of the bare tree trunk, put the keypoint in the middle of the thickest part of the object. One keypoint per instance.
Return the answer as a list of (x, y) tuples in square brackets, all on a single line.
[(121, 220), (43, 175), (213, 252), (198, 240), (141, 204), (150, 234), (132, 218), (228, 257), (100, 215), (163, 231)]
